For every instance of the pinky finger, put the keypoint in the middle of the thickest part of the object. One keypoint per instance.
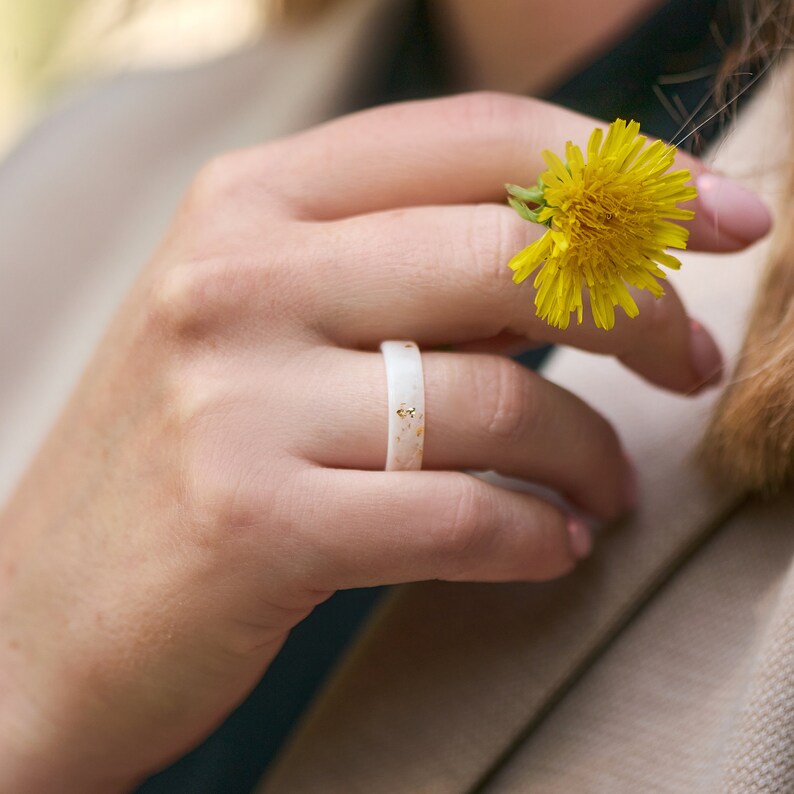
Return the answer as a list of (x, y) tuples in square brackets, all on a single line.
[(372, 528)]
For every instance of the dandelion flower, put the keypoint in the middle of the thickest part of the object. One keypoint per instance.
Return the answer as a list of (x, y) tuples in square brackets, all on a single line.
[(609, 222)]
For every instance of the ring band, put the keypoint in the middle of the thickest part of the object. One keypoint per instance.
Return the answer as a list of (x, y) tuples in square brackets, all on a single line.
[(406, 389)]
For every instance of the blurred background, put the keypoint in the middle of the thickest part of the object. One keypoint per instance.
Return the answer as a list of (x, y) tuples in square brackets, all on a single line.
[(51, 47)]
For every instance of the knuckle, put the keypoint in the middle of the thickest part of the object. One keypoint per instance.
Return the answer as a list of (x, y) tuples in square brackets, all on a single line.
[(605, 439), (469, 515), (504, 398), (190, 298), (181, 297), (594, 438), (194, 395), (605, 434), (218, 510), (215, 181), (660, 316), (226, 489), (550, 555), (219, 498), (495, 234)]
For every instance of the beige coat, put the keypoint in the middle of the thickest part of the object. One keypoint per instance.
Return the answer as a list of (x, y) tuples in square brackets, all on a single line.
[(664, 664)]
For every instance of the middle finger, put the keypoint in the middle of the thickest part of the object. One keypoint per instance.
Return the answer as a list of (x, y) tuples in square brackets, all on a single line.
[(439, 275)]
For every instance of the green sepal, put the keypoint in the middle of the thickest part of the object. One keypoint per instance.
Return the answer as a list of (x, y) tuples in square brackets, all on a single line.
[(523, 210), (531, 195), (519, 197)]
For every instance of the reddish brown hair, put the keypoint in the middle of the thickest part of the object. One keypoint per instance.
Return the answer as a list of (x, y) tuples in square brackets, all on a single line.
[(749, 444)]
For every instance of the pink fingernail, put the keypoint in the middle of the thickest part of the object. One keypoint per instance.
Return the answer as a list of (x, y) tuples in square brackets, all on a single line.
[(705, 355), (580, 538), (732, 208)]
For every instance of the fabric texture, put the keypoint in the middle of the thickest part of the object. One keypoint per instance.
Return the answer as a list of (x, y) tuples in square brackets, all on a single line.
[(654, 710), (761, 755)]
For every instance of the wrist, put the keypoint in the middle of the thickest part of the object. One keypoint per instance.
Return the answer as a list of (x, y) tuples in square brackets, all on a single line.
[(36, 755)]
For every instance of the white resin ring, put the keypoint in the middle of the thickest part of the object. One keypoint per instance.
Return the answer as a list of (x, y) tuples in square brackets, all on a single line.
[(406, 388)]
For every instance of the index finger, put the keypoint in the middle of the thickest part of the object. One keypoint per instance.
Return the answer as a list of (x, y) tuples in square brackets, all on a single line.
[(463, 149)]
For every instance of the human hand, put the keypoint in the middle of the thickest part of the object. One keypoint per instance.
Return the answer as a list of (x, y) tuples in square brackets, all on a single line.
[(217, 472)]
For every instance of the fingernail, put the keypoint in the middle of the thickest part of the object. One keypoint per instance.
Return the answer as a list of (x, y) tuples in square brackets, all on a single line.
[(631, 489), (706, 357), (580, 538), (732, 208)]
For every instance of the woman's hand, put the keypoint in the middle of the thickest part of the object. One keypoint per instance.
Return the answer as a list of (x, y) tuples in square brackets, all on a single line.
[(218, 472)]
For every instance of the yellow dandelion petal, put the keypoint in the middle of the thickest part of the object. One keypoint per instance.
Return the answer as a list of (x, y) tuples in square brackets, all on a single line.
[(576, 161), (628, 153), (656, 155), (668, 260), (556, 166), (610, 220), (594, 144), (525, 262), (625, 301)]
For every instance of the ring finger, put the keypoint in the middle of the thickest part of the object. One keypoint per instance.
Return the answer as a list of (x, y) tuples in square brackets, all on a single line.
[(482, 412)]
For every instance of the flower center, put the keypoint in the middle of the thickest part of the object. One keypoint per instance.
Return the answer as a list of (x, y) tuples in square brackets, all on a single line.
[(595, 215)]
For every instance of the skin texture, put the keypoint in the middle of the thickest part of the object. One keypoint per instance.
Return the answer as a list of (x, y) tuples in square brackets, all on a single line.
[(216, 474)]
